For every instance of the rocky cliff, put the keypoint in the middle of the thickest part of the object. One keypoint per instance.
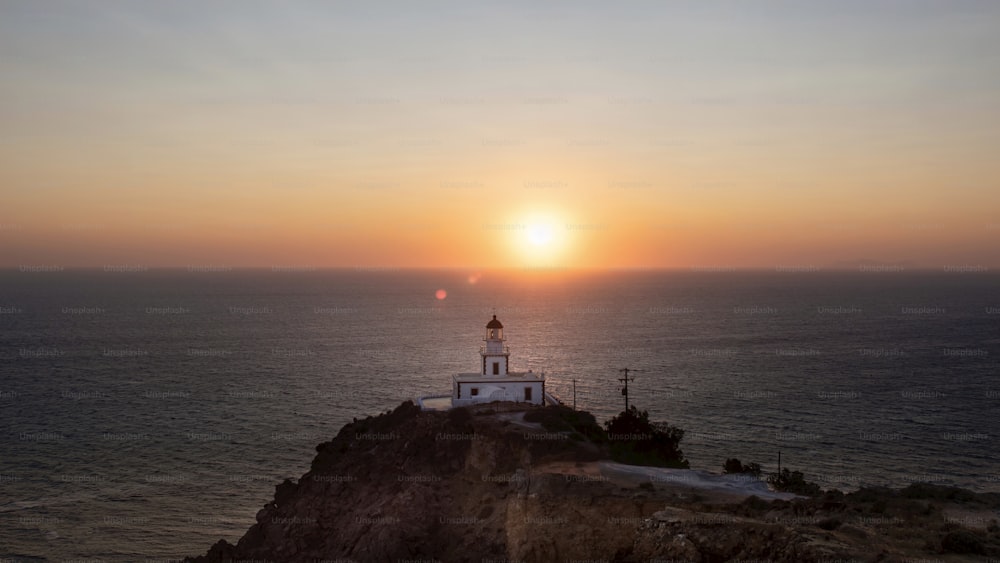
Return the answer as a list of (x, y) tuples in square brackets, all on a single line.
[(485, 485)]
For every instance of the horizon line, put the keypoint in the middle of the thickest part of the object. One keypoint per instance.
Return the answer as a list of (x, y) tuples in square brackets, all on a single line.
[(862, 267)]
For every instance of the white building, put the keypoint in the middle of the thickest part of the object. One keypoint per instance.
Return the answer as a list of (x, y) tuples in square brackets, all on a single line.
[(495, 382)]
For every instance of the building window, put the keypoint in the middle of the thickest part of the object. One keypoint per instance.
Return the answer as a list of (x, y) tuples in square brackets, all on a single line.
[(527, 393), (474, 392), (496, 369)]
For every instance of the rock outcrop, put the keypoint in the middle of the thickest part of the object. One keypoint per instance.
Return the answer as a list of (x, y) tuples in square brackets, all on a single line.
[(482, 484)]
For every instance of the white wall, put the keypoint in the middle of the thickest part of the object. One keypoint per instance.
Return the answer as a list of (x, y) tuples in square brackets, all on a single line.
[(514, 391)]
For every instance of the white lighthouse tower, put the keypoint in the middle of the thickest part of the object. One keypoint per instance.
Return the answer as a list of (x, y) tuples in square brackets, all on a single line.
[(496, 356), (495, 381)]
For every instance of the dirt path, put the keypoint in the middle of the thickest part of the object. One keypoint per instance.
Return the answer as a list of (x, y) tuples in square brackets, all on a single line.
[(714, 488)]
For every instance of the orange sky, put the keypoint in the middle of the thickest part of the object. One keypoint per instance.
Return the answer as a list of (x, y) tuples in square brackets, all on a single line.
[(645, 137)]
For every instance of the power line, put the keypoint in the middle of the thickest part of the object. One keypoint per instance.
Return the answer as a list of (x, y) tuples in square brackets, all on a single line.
[(625, 380)]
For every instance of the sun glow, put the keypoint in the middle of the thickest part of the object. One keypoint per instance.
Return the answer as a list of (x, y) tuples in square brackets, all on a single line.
[(541, 240), (540, 234)]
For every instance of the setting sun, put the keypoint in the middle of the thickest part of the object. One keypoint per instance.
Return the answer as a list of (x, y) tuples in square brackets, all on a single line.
[(540, 234), (541, 239)]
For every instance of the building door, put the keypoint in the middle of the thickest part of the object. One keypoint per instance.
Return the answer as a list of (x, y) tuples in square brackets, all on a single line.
[(496, 369), (527, 393)]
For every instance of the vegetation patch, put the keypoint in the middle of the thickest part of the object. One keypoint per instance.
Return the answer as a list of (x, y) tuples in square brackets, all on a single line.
[(635, 440)]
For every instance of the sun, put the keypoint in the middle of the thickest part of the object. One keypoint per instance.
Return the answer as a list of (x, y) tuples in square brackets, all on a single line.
[(541, 239), (540, 234)]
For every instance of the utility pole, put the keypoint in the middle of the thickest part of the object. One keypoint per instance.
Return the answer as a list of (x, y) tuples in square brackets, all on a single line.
[(574, 394), (625, 380)]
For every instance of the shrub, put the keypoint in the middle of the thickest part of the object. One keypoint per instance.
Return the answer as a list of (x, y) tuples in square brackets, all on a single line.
[(829, 523), (962, 541), (459, 416), (937, 492), (635, 440), (559, 418), (734, 466), (793, 482)]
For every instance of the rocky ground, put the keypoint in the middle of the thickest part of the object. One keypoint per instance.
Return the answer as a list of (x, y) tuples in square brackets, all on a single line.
[(481, 485)]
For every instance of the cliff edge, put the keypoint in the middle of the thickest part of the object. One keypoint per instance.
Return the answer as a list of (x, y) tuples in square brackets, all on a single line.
[(486, 483)]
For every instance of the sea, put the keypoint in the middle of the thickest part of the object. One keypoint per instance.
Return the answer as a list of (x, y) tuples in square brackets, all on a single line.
[(146, 414)]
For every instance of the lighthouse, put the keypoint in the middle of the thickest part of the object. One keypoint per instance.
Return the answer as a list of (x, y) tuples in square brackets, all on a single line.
[(495, 381)]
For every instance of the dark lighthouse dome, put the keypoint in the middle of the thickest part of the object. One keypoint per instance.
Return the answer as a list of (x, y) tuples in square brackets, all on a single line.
[(494, 323)]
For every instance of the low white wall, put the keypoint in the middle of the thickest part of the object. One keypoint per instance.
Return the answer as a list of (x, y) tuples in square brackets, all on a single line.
[(511, 391)]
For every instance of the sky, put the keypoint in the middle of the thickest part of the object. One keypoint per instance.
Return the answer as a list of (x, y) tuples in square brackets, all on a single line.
[(676, 134)]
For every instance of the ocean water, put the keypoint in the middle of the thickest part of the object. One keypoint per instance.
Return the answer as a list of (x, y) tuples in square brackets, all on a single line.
[(145, 415)]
